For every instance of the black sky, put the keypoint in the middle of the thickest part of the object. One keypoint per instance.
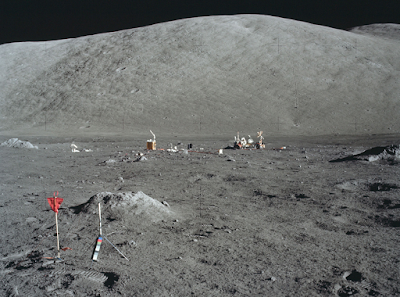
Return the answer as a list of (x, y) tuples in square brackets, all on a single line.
[(30, 20)]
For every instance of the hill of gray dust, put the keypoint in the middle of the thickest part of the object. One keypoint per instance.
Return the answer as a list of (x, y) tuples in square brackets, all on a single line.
[(208, 75)]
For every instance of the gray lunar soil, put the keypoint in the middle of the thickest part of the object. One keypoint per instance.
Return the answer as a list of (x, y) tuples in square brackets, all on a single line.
[(315, 213)]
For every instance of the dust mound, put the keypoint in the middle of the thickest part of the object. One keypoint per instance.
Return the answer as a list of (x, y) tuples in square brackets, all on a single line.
[(124, 207), (16, 143), (390, 154)]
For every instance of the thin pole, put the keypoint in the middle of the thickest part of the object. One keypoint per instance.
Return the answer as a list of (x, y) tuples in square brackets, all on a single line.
[(278, 123), (100, 217), (58, 241), (200, 201), (116, 249), (98, 242), (200, 124)]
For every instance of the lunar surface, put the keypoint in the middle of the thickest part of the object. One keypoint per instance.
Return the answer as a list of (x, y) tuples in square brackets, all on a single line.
[(314, 213)]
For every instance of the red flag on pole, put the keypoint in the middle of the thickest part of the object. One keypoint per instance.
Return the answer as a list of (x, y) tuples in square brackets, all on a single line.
[(55, 202)]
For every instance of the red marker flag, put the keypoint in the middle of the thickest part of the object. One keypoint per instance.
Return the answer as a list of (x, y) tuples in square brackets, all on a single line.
[(55, 202)]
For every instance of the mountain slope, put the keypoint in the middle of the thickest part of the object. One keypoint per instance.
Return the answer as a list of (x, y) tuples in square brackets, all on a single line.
[(218, 74)]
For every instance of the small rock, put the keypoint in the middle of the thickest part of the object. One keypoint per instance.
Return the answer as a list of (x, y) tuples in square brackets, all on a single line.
[(46, 263), (346, 274), (141, 159), (110, 161), (31, 220)]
